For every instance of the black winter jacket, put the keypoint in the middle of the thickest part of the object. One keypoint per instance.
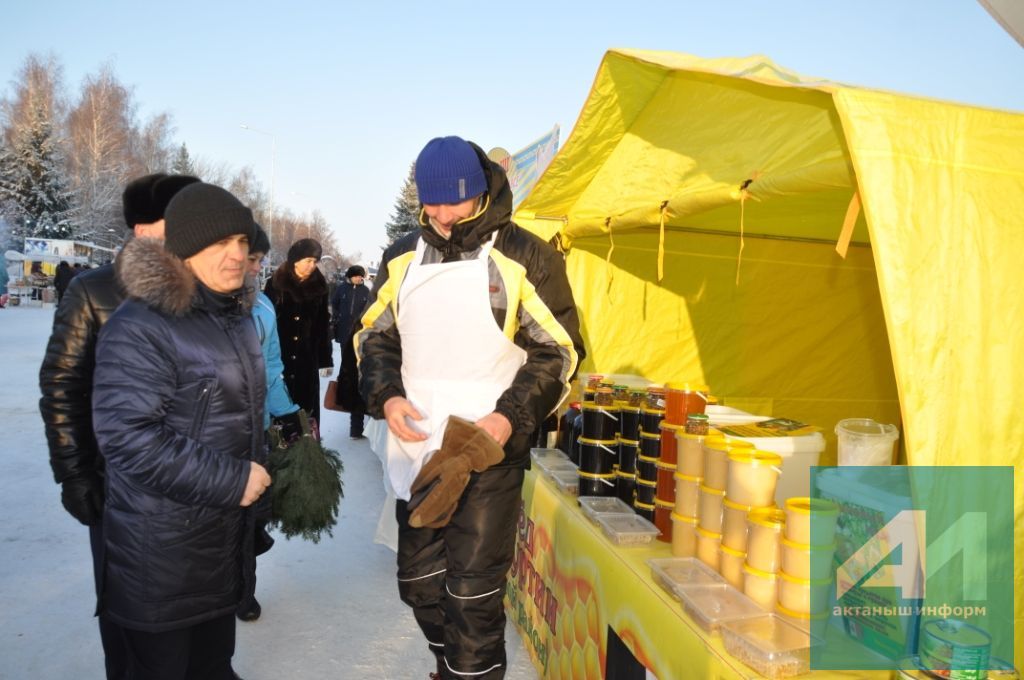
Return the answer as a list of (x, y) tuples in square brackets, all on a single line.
[(178, 412), (65, 378), (531, 301), (347, 305), (303, 326)]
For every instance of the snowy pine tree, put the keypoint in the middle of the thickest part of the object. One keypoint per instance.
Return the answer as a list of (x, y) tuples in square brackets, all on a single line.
[(34, 188), (182, 164), (405, 215)]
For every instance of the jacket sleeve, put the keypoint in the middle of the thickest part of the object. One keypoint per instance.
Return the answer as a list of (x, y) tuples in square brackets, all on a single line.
[(322, 328), (279, 402), (135, 383), (377, 343), (65, 380), (549, 331)]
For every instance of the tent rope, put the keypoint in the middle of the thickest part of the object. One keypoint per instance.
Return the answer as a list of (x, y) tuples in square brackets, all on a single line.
[(661, 241), (744, 195), (611, 249)]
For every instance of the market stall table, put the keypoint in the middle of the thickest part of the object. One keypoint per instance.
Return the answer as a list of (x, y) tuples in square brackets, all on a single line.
[(585, 606)]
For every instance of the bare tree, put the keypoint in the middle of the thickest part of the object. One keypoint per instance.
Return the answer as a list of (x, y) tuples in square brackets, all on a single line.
[(152, 146), (100, 151)]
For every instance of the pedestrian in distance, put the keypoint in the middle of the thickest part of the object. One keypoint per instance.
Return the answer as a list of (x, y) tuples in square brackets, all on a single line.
[(62, 278), (470, 340), (178, 410), (300, 296), (347, 305), (65, 380)]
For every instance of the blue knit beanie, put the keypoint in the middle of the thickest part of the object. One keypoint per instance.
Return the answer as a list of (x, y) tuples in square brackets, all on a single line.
[(449, 171)]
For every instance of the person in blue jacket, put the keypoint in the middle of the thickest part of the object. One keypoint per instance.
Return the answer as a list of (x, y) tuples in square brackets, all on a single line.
[(279, 406), (177, 404)]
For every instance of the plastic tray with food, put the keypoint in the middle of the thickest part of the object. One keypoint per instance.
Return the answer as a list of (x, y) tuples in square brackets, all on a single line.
[(593, 506), (543, 456), (769, 645), (627, 529), (712, 605), (674, 573), (567, 481)]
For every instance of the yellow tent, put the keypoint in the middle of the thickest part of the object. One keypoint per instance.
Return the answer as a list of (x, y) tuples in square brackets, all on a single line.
[(702, 204)]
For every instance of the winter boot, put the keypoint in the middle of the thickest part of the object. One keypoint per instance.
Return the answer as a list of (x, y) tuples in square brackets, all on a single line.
[(439, 485)]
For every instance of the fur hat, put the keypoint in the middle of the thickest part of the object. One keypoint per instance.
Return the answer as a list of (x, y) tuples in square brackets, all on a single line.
[(304, 248), (202, 214), (145, 199), (449, 171), (355, 270)]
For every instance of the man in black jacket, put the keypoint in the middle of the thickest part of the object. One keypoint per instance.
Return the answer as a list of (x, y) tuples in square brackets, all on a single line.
[(347, 305), (178, 400), (470, 317), (66, 383)]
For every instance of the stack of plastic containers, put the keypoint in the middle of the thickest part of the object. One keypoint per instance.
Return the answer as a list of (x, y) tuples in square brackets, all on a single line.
[(680, 400), (629, 446), (805, 574), (651, 415), (598, 444), (715, 459)]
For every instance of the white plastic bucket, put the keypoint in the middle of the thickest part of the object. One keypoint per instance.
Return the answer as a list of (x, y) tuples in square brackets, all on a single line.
[(862, 441)]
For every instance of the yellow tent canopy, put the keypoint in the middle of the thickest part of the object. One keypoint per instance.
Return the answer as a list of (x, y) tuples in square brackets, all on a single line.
[(702, 203)]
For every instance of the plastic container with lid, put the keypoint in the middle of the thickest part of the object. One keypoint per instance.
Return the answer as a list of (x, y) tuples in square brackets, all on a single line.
[(683, 398), (764, 538), (592, 506), (687, 493), (752, 477), (690, 454), (804, 596), (591, 484), (666, 479), (716, 459), (711, 606), (679, 573), (862, 441), (955, 649), (644, 510), (629, 423), (650, 420), (538, 455), (761, 586), (567, 481), (815, 624), (710, 510), (730, 565), (807, 561), (811, 521), (734, 524), (627, 529), (663, 519), (600, 421), (655, 398), (650, 445), (708, 543), (798, 454), (769, 645), (668, 442), (684, 536)]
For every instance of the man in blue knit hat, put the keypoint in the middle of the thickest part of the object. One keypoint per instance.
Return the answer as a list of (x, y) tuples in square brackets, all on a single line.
[(469, 341)]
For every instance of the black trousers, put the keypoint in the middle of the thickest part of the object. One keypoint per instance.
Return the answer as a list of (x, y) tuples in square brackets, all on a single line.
[(200, 652), (115, 653), (454, 578)]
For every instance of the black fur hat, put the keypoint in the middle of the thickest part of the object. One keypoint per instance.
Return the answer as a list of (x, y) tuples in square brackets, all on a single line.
[(355, 270), (304, 248), (145, 198), (203, 214), (260, 244)]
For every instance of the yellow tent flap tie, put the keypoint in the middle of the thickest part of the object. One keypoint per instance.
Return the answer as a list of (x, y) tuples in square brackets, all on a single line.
[(661, 241), (849, 222), (611, 249), (744, 194)]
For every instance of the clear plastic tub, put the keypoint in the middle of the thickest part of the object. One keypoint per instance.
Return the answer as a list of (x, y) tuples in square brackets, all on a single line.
[(708, 543), (716, 459), (761, 586), (684, 535), (687, 489), (627, 529), (538, 455), (593, 506), (567, 481), (752, 477), (764, 538), (710, 512), (678, 573), (690, 449), (711, 606), (807, 561), (769, 645), (734, 525), (811, 521), (731, 566)]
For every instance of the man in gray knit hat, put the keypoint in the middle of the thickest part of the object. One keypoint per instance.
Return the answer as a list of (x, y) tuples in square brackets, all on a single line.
[(178, 411)]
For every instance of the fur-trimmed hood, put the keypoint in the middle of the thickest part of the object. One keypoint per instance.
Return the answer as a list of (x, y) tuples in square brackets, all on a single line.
[(160, 279)]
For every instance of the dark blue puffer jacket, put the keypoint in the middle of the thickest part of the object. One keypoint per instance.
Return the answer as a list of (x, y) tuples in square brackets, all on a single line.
[(178, 410)]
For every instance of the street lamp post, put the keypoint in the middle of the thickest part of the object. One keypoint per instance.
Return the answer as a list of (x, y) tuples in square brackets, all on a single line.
[(273, 174)]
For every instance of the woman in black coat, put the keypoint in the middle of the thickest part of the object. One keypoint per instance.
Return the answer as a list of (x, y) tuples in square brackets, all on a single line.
[(300, 296)]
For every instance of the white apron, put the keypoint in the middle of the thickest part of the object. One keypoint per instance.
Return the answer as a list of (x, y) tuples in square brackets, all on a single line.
[(455, 359)]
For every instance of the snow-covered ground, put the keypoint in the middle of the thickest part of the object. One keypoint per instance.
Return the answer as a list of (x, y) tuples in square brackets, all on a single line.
[(329, 610)]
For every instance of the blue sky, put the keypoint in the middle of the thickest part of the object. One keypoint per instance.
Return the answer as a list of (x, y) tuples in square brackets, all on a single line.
[(352, 91)]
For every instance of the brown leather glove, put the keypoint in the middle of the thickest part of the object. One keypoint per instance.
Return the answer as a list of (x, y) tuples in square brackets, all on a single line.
[(439, 485)]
